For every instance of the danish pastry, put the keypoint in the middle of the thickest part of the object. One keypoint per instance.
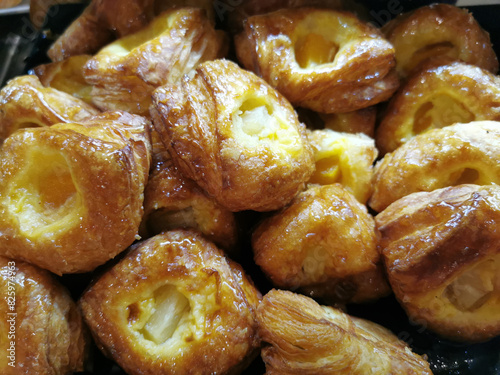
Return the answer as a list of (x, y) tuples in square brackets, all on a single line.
[(436, 97), (71, 194), (324, 243), (234, 135), (442, 255), (41, 331), (325, 60), (344, 158), (454, 155), (305, 338), (125, 72), (439, 30), (174, 305), (25, 103)]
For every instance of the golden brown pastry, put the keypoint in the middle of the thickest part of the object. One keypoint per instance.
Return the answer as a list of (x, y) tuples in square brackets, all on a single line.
[(442, 255), (360, 121), (436, 97), (125, 72), (174, 305), (71, 194), (454, 155), (308, 339), (67, 76), (325, 60), (235, 136), (439, 30), (344, 158), (25, 103), (325, 243), (41, 330)]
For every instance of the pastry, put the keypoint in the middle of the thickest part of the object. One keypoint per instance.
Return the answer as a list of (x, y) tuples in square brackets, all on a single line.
[(325, 60), (454, 155), (439, 30), (442, 255), (235, 136), (324, 243), (301, 337), (174, 305), (9, 3), (71, 194), (125, 72), (41, 330), (436, 97), (67, 76), (344, 158), (25, 103)]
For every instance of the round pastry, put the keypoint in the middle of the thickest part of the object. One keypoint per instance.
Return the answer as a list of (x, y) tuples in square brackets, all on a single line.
[(41, 329), (344, 158), (454, 155), (234, 135), (324, 243), (436, 97), (71, 194), (25, 103), (439, 30), (174, 305), (442, 255), (305, 338), (325, 60), (125, 72)]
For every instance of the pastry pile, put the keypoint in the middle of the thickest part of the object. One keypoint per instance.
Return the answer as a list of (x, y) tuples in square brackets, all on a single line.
[(160, 146)]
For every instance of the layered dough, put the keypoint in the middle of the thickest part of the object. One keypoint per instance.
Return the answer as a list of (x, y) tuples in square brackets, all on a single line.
[(71, 194), (125, 73), (437, 31), (442, 255), (325, 60), (235, 136), (438, 96), (454, 155), (26, 103), (42, 330), (305, 338), (174, 305), (325, 244)]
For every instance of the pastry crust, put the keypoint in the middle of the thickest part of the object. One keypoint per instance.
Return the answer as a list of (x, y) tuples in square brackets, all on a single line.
[(125, 72), (308, 339), (439, 30), (344, 158), (174, 304), (71, 194), (436, 97), (25, 103), (454, 155), (213, 126), (324, 243), (325, 60), (442, 255), (42, 330)]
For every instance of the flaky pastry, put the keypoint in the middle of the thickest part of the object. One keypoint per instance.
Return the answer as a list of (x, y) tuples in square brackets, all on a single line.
[(454, 155), (71, 194), (308, 339), (325, 60), (236, 136), (436, 97), (325, 243), (25, 103), (344, 158), (125, 72), (439, 30), (41, 331), (174, 305), (442, 255)]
